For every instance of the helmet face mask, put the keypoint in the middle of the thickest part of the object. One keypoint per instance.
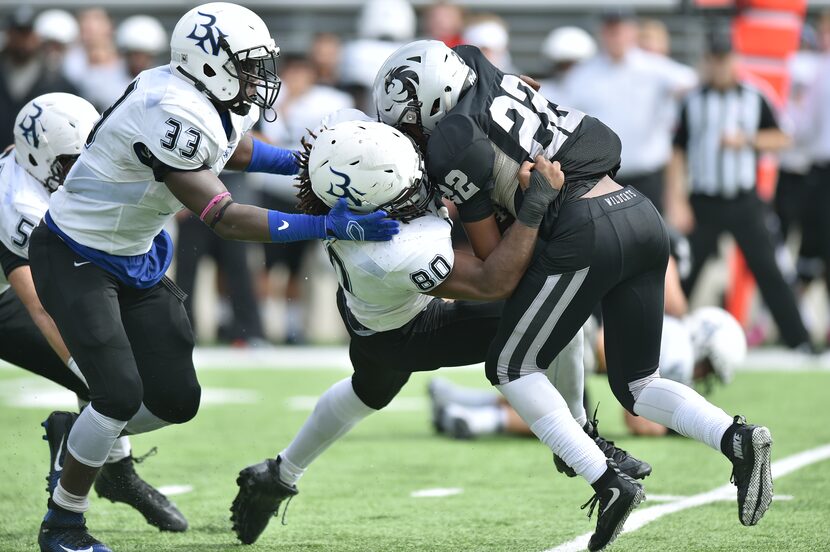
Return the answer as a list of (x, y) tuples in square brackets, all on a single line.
[(256, 69), (58, 170)]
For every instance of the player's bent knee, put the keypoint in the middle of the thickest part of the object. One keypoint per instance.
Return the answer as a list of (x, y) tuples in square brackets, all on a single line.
[(177, 406), (627, 392)]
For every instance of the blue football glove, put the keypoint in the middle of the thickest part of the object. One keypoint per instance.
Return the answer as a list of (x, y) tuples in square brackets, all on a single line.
[(345, 225)]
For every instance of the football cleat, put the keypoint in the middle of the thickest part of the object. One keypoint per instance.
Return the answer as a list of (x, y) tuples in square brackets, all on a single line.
[(627, 464), (748, 448), (57, 426), (119, 482), (260, 494), (63, 531), (616, 501)]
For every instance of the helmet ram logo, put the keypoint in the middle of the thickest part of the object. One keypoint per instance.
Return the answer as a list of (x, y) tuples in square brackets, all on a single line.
[(210, 39), (345, 190), (30, 131), (401, 84)]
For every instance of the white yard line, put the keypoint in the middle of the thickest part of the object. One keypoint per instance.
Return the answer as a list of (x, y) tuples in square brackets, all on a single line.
[(643, 517)]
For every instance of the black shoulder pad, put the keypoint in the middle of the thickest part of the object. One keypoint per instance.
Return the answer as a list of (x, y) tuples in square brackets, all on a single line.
[(460, 158)]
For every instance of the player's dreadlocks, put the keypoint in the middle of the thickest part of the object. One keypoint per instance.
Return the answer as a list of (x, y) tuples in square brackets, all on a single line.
[(308, 203)]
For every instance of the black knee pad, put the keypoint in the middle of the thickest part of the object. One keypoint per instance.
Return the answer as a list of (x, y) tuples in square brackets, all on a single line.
[(377, 393), (121, 402), (176, 405), (619, 386)]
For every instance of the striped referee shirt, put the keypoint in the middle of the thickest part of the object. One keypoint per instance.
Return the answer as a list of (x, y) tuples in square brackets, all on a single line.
[(707, 116)]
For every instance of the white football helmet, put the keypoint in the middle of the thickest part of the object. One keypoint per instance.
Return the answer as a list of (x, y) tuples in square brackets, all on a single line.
[(373, 166), (568, 44), (227, 53), (718, 338), (57, 26), (49, 134), (387, 20), (141, 33), (420, 83)]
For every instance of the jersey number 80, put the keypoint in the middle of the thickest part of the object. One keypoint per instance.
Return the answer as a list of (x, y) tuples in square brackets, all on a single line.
[(439, 269)]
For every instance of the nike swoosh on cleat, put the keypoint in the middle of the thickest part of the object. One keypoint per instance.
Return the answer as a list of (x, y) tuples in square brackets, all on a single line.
[(616, 494), (76, 550), (57, 465), (284, 225), (77, 264)]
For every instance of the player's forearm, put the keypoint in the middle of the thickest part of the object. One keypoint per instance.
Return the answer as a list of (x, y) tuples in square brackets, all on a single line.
[(772, 140), (242, 222), (252, 155), (505, 266), (23, 285)]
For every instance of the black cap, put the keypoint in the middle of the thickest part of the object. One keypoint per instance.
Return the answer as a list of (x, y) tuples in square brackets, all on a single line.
[(22, 18), (618, 15), (720, 43)]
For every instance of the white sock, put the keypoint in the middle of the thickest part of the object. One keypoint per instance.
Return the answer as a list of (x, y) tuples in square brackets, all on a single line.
[(120, 450), (567, 374), (144, 421), (682, 409), (69, 501), (541, 406), (337, 411), (483, 420), (449, 393), (92, 437)]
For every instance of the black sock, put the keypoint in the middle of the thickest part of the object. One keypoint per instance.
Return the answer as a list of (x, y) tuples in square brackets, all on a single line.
[(726, 442), (606, 478)]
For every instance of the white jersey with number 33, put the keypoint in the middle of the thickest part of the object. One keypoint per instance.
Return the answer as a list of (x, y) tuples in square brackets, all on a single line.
[(384, 282), (111, 200), (23, 200)]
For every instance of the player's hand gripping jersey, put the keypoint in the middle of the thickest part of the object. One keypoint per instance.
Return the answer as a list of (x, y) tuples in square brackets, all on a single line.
[(23, 200), (114, 198)]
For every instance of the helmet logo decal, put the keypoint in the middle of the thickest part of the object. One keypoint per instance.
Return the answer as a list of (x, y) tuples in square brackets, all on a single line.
[(344, 189), (209, 40), (30, 132), (401, 84)]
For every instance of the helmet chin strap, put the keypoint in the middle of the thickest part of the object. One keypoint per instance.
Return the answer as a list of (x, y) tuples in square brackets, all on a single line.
[(200, 86)]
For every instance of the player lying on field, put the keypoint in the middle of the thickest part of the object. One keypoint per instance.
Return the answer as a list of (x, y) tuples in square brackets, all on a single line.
[(49, 133), (100, 256), (602, 244), (387, 292)]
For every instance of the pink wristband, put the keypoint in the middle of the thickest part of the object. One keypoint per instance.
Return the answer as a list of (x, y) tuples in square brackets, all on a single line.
[(216, 199)]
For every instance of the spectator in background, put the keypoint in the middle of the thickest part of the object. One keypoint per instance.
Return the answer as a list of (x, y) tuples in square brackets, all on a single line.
[(382, 27), (24, 71), (141, 39), (95, 67), (653, 36), (563, 48), (301, 105), (633, 92), (444, 21), (722, 127), (490, 34), (58, 31), (325, 54)]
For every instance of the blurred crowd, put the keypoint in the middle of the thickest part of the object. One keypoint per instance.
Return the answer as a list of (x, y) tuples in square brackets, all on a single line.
[(692, 137)]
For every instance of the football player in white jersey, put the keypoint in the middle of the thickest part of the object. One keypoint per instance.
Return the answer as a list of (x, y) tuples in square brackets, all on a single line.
[(395, 326), (99, 258), (28, 336)]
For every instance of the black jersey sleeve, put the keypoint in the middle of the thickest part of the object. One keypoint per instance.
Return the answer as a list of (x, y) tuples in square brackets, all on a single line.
[(681, 133), (767, 119), (460, 160), (10, 261)]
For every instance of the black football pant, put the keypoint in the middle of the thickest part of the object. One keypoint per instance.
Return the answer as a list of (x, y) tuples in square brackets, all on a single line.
[(132, 345), (444, 334), (612, 250), (745, 218), (22, 344)]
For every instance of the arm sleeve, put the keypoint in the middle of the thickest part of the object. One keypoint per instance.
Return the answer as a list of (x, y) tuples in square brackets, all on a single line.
[(681, 133), (10, 261), (460, 160), (768, 120)]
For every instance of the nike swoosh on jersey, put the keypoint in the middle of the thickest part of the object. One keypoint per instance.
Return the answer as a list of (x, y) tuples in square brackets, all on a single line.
[(57, 465), (76, 550), (616, 494), (284, 225), (77, 264)]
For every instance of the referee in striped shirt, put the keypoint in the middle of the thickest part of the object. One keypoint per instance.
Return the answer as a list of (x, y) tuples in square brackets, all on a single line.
[(722, 127)]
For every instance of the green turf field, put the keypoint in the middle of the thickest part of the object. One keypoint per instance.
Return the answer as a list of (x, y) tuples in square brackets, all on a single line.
[(357, 496)]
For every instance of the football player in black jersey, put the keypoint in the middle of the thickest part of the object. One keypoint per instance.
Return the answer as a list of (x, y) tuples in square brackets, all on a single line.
[(600, 243)]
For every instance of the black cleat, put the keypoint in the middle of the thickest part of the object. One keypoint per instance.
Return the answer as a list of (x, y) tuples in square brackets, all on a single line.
[(63, 531), (119, 482), (57, 426), (627, 464), (616, 500), (748, 447), (260, 494)]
